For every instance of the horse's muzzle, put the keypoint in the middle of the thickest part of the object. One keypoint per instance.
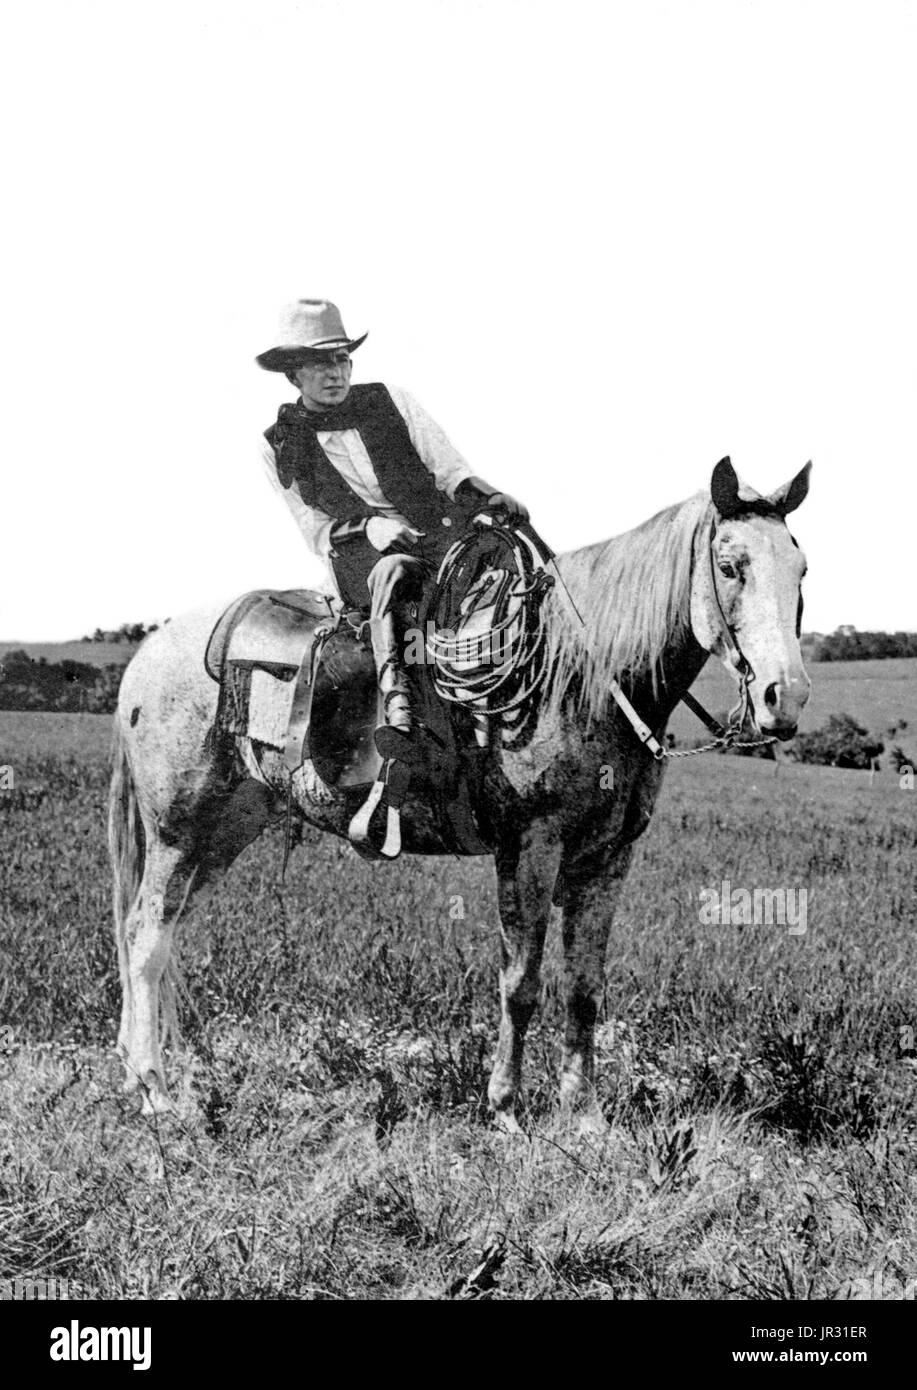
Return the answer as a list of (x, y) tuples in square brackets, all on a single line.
[(778, 712)]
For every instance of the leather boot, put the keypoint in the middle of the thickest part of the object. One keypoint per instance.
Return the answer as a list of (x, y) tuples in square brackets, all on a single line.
[(376, 828), (394, 738)]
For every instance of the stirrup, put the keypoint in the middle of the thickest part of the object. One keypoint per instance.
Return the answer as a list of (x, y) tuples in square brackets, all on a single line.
[(382, 807)]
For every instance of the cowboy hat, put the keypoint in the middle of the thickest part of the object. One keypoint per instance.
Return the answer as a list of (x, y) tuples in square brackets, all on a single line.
[(306, 326)]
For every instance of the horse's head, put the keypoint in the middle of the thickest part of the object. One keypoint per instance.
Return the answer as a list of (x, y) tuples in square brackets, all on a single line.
[(745, 595)]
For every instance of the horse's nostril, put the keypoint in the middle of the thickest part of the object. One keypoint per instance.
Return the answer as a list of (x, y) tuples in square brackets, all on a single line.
[(770, 695)]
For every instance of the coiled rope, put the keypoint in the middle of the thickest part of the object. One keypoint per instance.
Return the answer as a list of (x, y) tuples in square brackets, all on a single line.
[(487, 644)]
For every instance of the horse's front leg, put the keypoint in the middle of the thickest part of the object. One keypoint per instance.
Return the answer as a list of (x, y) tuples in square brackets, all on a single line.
[(591, 889), (525, 884)]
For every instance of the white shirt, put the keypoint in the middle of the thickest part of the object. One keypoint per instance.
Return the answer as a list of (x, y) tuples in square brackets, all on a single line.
[(346, 453)]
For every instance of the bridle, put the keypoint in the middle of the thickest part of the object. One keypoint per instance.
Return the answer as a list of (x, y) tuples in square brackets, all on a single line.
[(725, 736)]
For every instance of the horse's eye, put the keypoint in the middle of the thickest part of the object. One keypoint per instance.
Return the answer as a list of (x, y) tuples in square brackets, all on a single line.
[(727, 570)]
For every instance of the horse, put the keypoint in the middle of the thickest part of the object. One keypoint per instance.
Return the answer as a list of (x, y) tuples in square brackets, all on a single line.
[(718, 574)]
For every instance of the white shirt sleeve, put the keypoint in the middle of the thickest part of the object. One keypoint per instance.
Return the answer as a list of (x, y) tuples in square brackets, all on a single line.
[(439, 455), (315, 525)]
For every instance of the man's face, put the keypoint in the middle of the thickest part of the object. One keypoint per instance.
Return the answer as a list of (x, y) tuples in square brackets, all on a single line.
[(324, 380)]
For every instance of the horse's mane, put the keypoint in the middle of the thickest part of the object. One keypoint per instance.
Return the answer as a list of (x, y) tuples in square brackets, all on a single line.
[(634, 593)]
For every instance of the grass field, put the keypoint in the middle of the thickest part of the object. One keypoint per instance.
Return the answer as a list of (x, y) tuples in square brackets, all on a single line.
[(338, 1032)]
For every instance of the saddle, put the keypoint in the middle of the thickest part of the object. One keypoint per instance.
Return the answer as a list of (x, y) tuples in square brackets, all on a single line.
[(297, 674)]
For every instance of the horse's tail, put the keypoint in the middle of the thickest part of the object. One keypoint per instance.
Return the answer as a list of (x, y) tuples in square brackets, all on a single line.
[(127, 848), (126, 841)]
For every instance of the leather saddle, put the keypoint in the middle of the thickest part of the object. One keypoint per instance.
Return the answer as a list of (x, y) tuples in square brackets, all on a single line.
[(324, 649)]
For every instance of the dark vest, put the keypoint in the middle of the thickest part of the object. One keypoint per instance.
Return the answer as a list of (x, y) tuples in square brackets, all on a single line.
[(405, 481)]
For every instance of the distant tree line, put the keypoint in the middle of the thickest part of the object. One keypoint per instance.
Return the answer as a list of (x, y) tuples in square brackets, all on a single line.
[(38, 684), (127, 632), (846, 644)]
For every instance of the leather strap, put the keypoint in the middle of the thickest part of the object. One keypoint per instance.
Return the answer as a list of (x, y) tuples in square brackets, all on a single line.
[(696, 708), (296, 742), (643, 731), (732, 646)]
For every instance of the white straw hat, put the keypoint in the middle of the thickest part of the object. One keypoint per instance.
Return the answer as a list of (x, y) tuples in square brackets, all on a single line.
[(306, 325)]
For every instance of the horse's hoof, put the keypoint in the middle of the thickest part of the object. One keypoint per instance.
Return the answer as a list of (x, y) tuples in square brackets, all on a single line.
[(505, 1121), (158, 1104), (156, 1099), (591, 1124), (130, 1076)]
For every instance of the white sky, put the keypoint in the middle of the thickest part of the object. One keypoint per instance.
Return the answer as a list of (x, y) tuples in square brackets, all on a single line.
[(603, 243)]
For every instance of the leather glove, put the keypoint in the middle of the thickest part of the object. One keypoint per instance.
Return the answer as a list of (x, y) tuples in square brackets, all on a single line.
[(512, 510)]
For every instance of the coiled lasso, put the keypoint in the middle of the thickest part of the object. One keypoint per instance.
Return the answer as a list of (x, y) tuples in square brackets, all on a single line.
[(486, 631)]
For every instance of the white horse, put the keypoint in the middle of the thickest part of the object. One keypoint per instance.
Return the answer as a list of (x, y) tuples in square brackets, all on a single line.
[(718, 574)]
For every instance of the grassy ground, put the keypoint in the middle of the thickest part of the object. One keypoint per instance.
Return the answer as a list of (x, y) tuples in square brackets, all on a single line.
[(338, 1035)]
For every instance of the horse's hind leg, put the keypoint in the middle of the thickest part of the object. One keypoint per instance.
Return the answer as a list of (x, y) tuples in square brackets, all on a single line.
[(172, 878), (591, 889), (145, 944), (180, 810), (525, 883)]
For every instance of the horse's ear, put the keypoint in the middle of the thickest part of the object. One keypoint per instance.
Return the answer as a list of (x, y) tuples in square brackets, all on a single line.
[(724, 488), (787, 498)]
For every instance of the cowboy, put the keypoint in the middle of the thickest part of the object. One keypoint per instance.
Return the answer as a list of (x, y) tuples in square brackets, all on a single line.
[(376, 488)]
